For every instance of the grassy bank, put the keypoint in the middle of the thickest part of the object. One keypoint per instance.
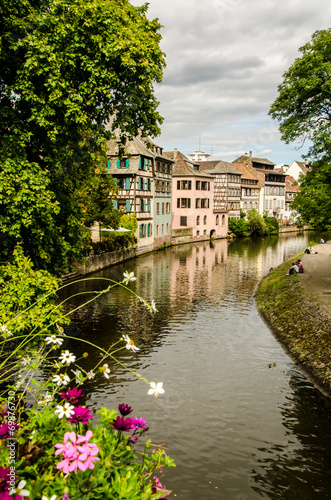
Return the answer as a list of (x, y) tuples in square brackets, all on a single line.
[(298, 322)]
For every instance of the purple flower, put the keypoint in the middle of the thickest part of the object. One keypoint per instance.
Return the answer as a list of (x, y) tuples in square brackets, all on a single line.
[(124, 409), (132, 439), (72, 395), (4, 431), (122, 424), (81, 414), (139, 423)]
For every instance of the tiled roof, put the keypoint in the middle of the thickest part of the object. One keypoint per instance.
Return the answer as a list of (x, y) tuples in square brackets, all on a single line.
[(246, 174), (245, 159), (134, 149), (218, 167), (183, 166)]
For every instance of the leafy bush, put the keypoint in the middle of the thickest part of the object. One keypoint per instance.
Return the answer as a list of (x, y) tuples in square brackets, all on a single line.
[(50, 449)]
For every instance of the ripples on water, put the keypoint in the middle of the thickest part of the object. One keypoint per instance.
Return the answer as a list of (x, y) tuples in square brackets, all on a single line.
[(237, 429)]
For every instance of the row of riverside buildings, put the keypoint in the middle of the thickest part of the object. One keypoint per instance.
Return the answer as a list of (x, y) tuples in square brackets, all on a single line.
[(178, 199)]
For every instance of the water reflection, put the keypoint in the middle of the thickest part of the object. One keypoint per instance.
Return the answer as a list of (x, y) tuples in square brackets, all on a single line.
[(237, 429)]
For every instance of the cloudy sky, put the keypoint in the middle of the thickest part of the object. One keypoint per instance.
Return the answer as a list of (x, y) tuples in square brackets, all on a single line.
[(225, 59)]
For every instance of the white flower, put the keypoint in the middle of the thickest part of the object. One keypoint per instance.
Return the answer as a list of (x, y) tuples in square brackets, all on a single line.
[(47, 399), (53, 497), (65, 411), (32, 434), (130, 344), (60, 330), (128, 277), (90, 375), (26, 361), (5, 331), (53, 339), (61, 379), (20, 490), (79, 376), (154, 310), (105, 370), (156, 389), (67, 357)]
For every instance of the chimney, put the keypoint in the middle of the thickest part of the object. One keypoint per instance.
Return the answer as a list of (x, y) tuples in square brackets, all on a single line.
[(175, 153), (250, 155)]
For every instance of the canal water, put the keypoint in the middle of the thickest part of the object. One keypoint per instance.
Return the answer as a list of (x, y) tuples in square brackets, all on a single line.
[(236, 428)]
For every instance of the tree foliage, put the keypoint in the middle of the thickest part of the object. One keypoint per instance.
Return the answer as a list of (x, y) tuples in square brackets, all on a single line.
[(68, 70), (313, 201), (303, 106)]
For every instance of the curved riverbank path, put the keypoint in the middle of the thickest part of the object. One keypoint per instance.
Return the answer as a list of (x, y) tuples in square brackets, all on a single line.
[(316, 279)]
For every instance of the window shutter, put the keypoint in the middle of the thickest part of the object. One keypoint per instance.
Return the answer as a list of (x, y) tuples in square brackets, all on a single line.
[(139, 183), (151, 229), (127, 163), (115, 203), (140, 230), (149, 205), (128, 206), (127, 183), (117, 163), (108, 164), (145, 228)]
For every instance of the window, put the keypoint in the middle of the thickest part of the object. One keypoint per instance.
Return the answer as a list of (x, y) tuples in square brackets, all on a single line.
[(162, 208), (197, 203), (184, 184), (168, 208), (198, 220), (142, 206), (183, 202), (217, 220), (157, 230), (205, 186), (205, 203), (124, 163), (198, 233), (197, 185), (205, 219), (183, 221), (158, 209), (204, 232)]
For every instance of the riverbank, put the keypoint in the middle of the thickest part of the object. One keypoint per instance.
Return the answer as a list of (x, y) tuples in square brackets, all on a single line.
[(298, 310)]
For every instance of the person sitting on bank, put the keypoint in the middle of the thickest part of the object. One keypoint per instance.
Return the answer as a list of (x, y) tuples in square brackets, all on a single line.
[(312, 250), (322, 241), (293, 270), (300, 266)]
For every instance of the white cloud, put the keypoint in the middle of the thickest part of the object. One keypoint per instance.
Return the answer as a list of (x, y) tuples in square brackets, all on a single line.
[(225, 59)]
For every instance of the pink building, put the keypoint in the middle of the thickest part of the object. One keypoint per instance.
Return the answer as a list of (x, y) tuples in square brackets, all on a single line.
[(193, 217)]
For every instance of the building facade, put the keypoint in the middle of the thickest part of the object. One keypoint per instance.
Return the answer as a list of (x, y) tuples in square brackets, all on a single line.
[(193, 214), (136, 175), (274, 192), (227, 187)]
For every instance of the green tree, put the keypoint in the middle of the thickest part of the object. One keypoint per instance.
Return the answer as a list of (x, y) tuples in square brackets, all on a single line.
[(240, 227), (257, 225), (303, 106), (313, 201), (73, 72)]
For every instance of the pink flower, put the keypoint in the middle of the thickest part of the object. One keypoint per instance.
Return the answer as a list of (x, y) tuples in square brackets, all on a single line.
[(81, 414), (77, 454), (139, 423), (72, 395), (89, 451)]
